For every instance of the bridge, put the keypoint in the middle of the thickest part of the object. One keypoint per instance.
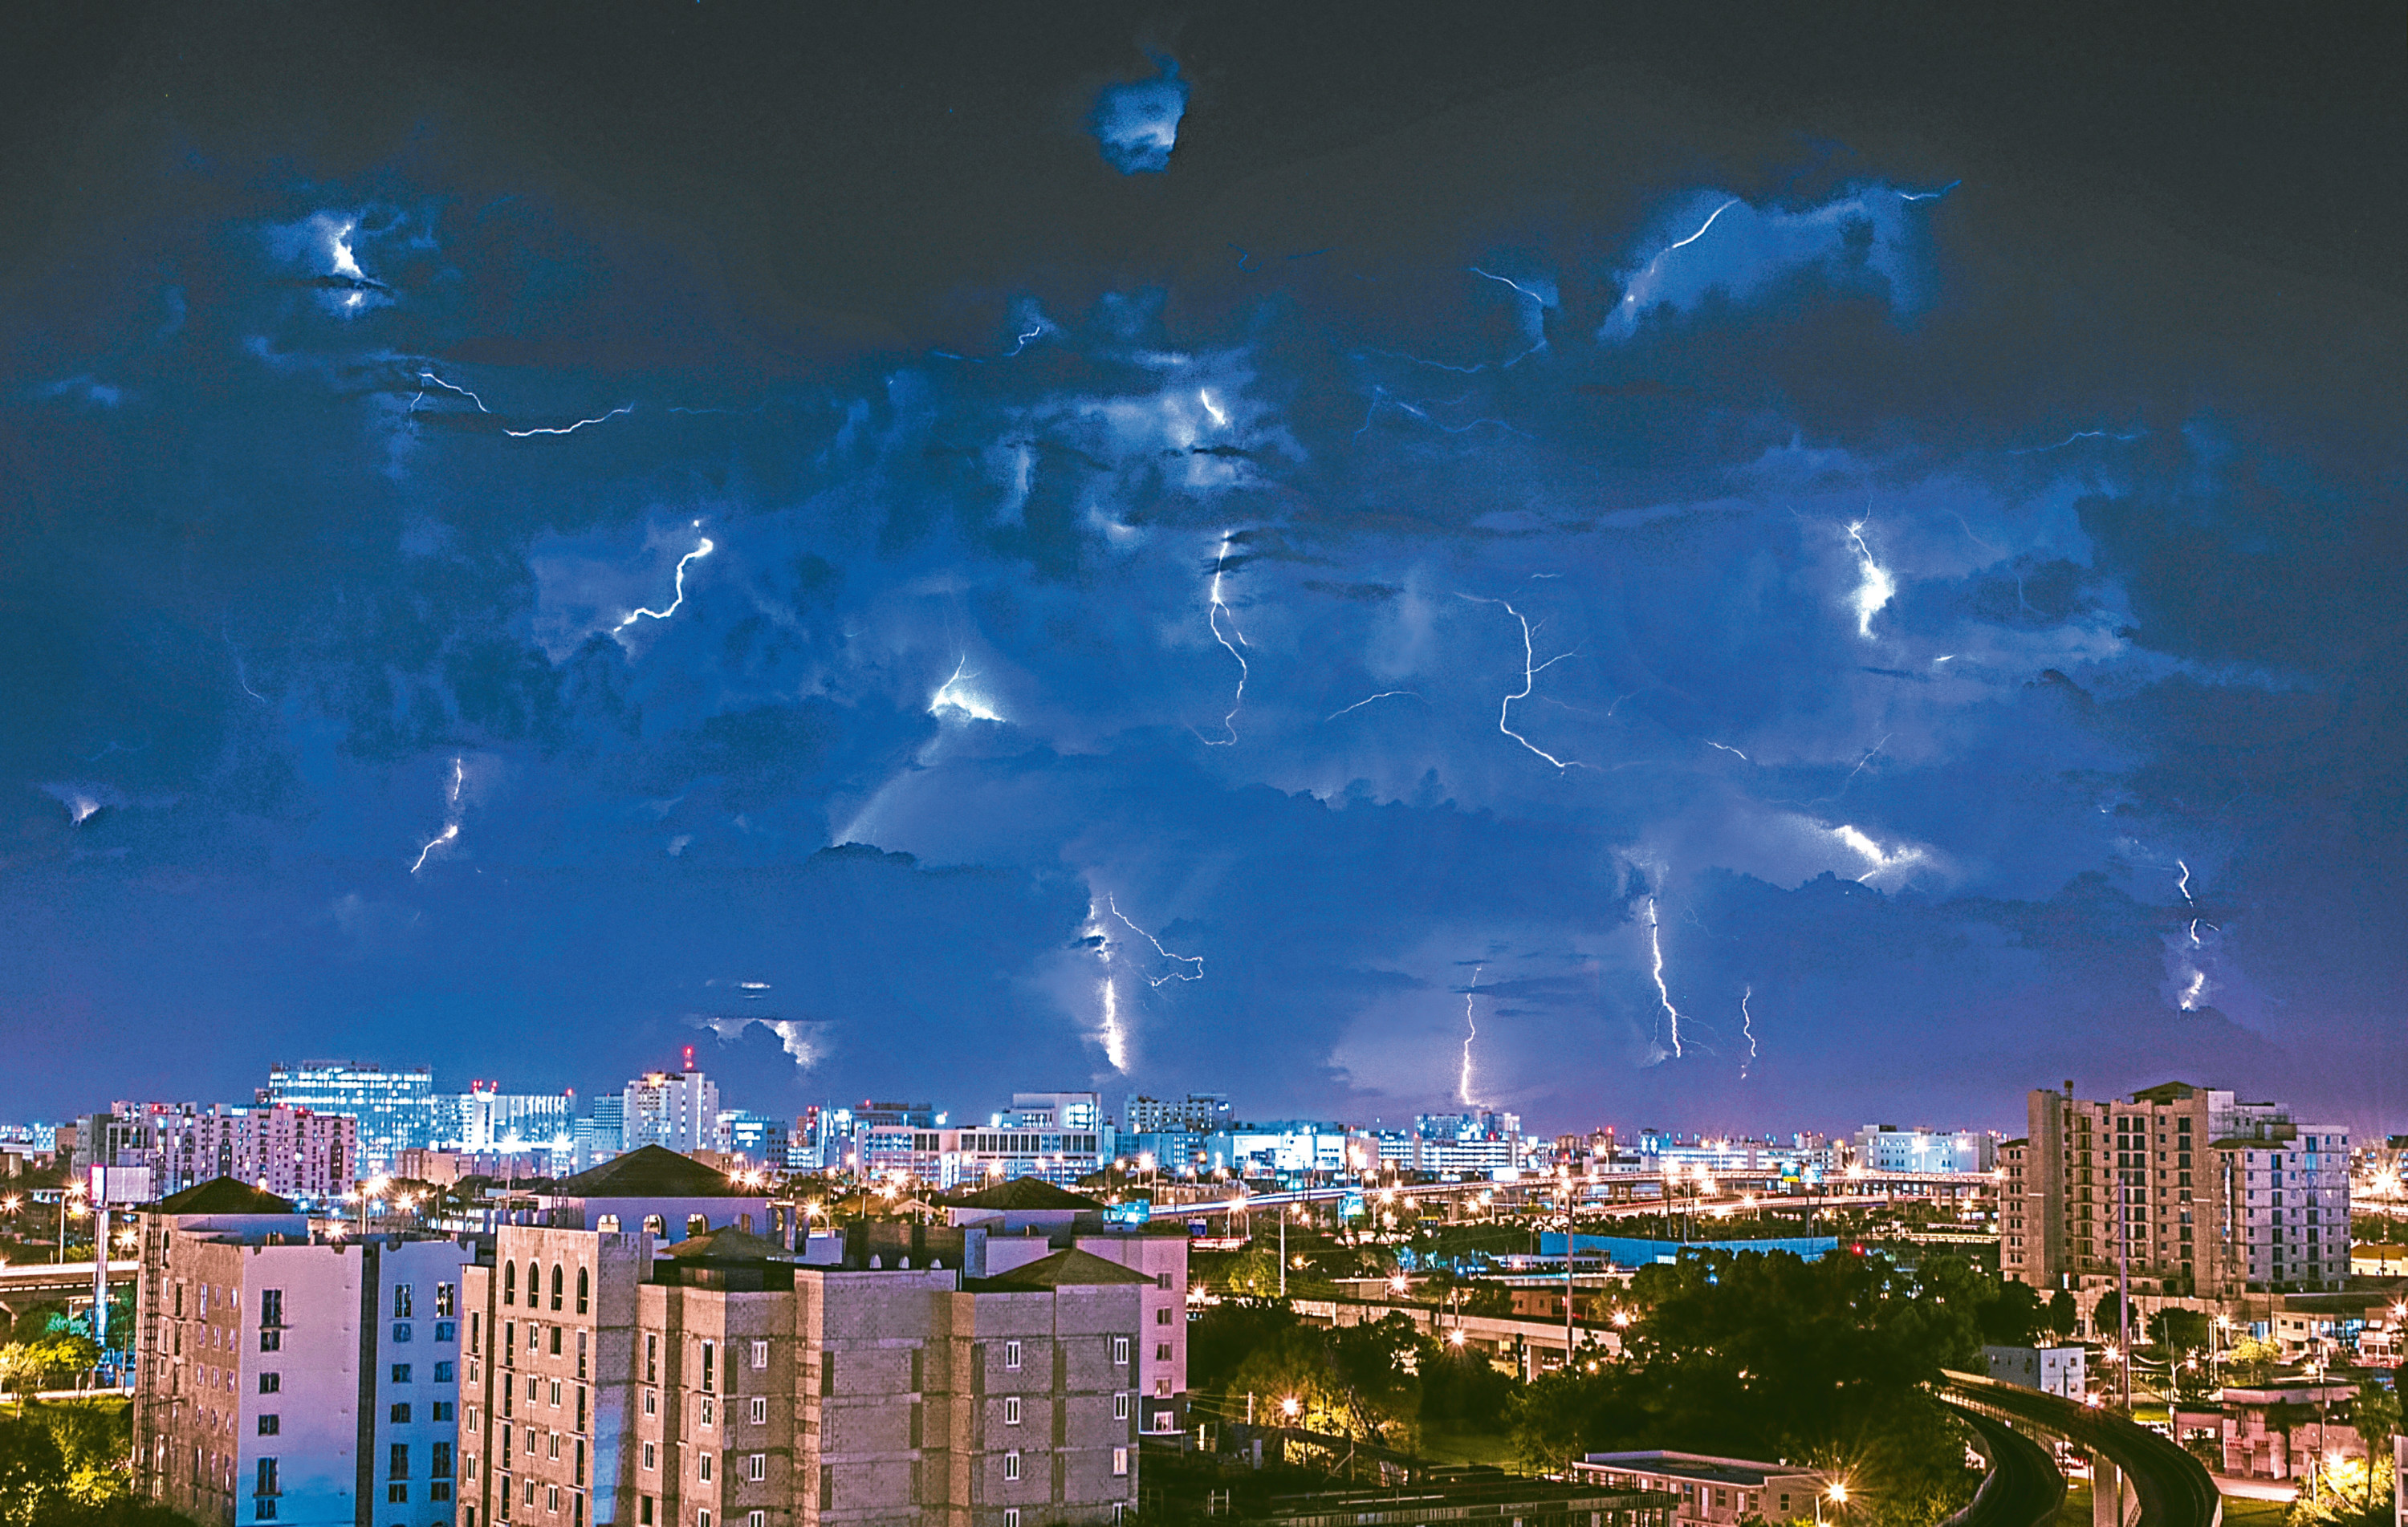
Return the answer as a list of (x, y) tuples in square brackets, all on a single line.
[(2137, 1477), (27, 1284)]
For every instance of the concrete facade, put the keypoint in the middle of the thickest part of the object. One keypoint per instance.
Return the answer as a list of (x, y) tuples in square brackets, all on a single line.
[(292, 1380), (719, 1383)]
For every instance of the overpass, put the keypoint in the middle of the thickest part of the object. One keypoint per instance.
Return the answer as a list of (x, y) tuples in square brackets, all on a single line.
[(27, 1284), (2137, 1477)]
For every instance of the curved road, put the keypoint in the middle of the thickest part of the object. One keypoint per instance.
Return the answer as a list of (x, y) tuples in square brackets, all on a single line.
[(2172, 1487), (2023, 1488)]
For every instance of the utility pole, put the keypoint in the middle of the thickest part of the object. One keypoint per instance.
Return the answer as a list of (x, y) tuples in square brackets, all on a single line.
[(1284, 1214), (2124, 1280)]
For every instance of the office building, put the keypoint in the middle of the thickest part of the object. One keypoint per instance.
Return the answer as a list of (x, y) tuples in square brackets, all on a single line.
[(1886, 1148), (724, 1382), (677, 1109), (2185, 1190), (761, 1140), (395, 1107), (949, 1157), (290, 1378), (485, 1117), (1197, 1113)]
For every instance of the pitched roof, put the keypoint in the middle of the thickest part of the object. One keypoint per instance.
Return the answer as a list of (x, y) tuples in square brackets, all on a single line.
[(1024, 1193), (223, 1196), (650, 1172), (729, 1244), (1065, 1269)]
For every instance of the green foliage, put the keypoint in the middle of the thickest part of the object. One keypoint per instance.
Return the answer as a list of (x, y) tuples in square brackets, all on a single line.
[(2375, 1414), (2063, 1315), (2345, 1495), (66, 1466), (50, 1362), (40, 1321), (1462, 1390), (1770, 1356), (2251, 1360)]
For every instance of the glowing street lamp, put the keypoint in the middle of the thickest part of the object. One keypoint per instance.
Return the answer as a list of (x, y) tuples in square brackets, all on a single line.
[(1291, 1408)]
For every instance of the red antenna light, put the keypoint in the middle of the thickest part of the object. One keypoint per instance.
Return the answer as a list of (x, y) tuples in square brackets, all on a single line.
[(689, 1057)]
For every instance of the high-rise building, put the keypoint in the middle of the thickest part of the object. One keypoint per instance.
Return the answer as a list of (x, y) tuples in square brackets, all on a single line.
[(679, 1109), (754, 1136), (485, 1117), (395, 1107), (1197, 1113), (290, 1378), (723, 1382), (2182, 1190), (295, 1152)]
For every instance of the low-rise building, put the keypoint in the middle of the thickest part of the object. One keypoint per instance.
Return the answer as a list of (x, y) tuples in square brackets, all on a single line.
[(1710, 1490), (2062, 1371)]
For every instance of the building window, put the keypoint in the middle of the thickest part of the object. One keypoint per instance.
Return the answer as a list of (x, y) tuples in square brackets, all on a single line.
[(443, 1373), (702, 1458), (827, 1486), (555, 1285), (396, 1494), (651, 1358), (555, 1394), (271, 1383), (1011, 1411), (446, 1331), (608, 1225), (584, 1282), (652, 1457), (1120, 1462), (439, 1491), (1120, 1407), (270, 1425), (400, 1330), (1162, 1316), (654, 1225), (399, 1460), (1011, 1516), (401, 1373), (756, 1467), (696, 1224), (271, 1306), (264, 1509), (1162, 1281), (400, 1412), (401, 1301), (509, 1283), (1120, 1349), (1011, 1465), (702, 1519), (1162, 1351), (760, 1416), (709, 1366), (757, 1518), (652, 1402), (272, 1339), (444, 1303), (1012, 1354), (760, 1354)]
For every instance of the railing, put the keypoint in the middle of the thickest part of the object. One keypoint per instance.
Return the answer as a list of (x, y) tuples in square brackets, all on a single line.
[(2138, 1478)]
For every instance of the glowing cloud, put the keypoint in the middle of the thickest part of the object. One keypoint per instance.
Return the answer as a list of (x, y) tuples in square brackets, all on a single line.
[(955, 696), (1876, 588), (703, 550), (1137, 125)]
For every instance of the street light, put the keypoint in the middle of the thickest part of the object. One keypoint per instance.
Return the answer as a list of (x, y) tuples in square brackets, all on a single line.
[(1836, 1493)]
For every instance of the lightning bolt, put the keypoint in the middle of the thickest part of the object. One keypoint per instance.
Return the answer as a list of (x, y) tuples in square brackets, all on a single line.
[(1877, 587), (451, 831), (1927, 195), (2189, 999), (2078, 435), (1116, 1039), (1747, 1026), (1663, 992), (968, 704), (1470, 1032), (1384, 695), (452, 826), (449, 387), (1195, 959), (570, 429), (1530, 672), (1729, 748), (1535, 326), (1212, 619), (703, 550)]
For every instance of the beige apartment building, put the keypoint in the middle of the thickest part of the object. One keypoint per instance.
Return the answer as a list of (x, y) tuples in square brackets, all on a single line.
[(2187, 1189), (718, 1381)]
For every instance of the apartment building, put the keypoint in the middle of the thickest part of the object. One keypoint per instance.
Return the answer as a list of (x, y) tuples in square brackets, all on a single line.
[(1711, 1492), (294, 1152), (2185, 1190), (288, 1378), (719, 1383)]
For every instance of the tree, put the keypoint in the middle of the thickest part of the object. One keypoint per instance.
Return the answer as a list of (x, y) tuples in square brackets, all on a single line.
[(2252, 1359), (21, 1368), (2064, 1317)]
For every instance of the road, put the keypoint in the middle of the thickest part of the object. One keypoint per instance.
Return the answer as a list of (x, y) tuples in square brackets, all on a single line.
[(2172, 1488), (2023, 1488)]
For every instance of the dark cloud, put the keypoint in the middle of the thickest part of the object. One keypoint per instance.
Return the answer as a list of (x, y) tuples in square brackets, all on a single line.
[(1812, 649)]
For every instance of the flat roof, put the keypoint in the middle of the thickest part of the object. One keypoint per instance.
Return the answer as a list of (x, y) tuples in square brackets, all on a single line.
[(1702, 1468)]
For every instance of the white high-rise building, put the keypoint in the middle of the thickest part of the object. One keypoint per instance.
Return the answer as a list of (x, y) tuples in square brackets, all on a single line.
[(679, 1109), (395, 1107)]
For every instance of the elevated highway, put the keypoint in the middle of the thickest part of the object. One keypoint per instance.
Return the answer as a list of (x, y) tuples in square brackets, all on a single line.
[(2137, 1477), (2023, 1488)]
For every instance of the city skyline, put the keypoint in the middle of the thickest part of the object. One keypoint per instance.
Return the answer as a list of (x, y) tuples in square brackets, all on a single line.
[(1382, 570)]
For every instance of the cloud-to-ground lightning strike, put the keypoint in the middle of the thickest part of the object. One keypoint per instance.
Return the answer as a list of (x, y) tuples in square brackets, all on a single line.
[(451, 831), (702, 549), (571, 429), (1195, 959), (1384, 695), (1747, 1026), (1663, 992), (451, 825), (1729, 748), (2198, 987), (1470, 1032), (1530, 672), (1212, 619)]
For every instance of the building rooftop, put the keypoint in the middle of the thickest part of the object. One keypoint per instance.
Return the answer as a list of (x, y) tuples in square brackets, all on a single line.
[(223, 1196), (1061, 1270), (729, 1244), (1702, 1468), (1024, 1193), (650, 1172)]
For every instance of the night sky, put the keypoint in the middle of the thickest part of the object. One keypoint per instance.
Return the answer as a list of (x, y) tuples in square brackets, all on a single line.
[(1756, 567)]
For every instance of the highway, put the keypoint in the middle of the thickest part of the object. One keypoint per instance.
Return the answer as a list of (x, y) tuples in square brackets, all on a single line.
[(2170, 1488), (2023, 1488)]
